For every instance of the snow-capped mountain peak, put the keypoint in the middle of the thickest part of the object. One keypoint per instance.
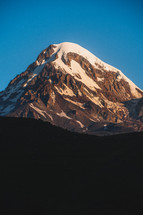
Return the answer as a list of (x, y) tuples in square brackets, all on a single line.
[(70, 87), (64, 48)]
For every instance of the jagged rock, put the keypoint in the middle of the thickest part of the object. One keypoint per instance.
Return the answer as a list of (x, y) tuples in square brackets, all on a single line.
[(70, 87)]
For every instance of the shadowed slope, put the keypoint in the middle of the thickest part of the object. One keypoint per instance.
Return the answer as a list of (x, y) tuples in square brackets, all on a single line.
[(48, 170)]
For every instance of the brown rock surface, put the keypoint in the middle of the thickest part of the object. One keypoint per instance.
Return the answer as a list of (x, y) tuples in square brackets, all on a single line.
[(54, 94)]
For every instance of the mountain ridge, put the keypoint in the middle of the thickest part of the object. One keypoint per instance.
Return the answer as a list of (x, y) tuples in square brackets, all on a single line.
[(70, 87)]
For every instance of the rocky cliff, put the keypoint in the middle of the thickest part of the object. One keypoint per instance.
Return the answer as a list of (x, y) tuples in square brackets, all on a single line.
[(71, 88)]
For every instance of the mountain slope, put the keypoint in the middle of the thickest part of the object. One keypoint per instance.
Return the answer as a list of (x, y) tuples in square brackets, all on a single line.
[(70, 87)]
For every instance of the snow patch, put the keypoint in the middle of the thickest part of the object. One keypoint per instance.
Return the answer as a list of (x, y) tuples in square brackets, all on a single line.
[(30, 79), (41, 112), (85, 79), (49, 115), (63, 114), (93, 120), (81, 125), (132, 86), (67, 91), (37, 70), (79, 93), (93, 98), (76, 71), (12, 89), (17, 96), (75, 103), (37, 110), (100, 79), (63, 49), (66, 47)]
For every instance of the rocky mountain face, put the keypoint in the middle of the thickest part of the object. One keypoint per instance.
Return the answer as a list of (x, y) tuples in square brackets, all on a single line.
[(70, 87)]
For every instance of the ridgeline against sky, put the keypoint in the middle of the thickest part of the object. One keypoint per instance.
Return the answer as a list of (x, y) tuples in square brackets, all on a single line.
[(111, 30), (70, 87)]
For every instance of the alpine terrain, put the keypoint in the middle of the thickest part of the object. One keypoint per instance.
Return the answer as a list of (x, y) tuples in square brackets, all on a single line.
[(70, 87)]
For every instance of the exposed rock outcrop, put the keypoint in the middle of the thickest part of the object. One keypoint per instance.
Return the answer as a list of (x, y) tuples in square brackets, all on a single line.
[(69, 87)]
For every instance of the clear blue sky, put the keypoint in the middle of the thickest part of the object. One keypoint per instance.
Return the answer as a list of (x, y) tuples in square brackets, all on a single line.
[(111, 29)]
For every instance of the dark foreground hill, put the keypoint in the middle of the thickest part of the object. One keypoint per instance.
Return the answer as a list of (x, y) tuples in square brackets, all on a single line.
[(48, 170)]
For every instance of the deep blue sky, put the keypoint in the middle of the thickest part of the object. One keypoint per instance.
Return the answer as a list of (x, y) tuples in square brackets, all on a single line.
[(111, 29)]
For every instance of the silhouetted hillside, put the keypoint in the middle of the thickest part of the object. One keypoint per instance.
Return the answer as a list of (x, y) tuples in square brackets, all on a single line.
[(48, 170)]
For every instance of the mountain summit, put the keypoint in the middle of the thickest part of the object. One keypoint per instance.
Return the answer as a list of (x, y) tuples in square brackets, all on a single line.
[(71, 88)]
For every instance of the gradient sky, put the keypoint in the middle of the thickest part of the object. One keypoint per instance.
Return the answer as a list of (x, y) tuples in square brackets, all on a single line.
[(111, 29)]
